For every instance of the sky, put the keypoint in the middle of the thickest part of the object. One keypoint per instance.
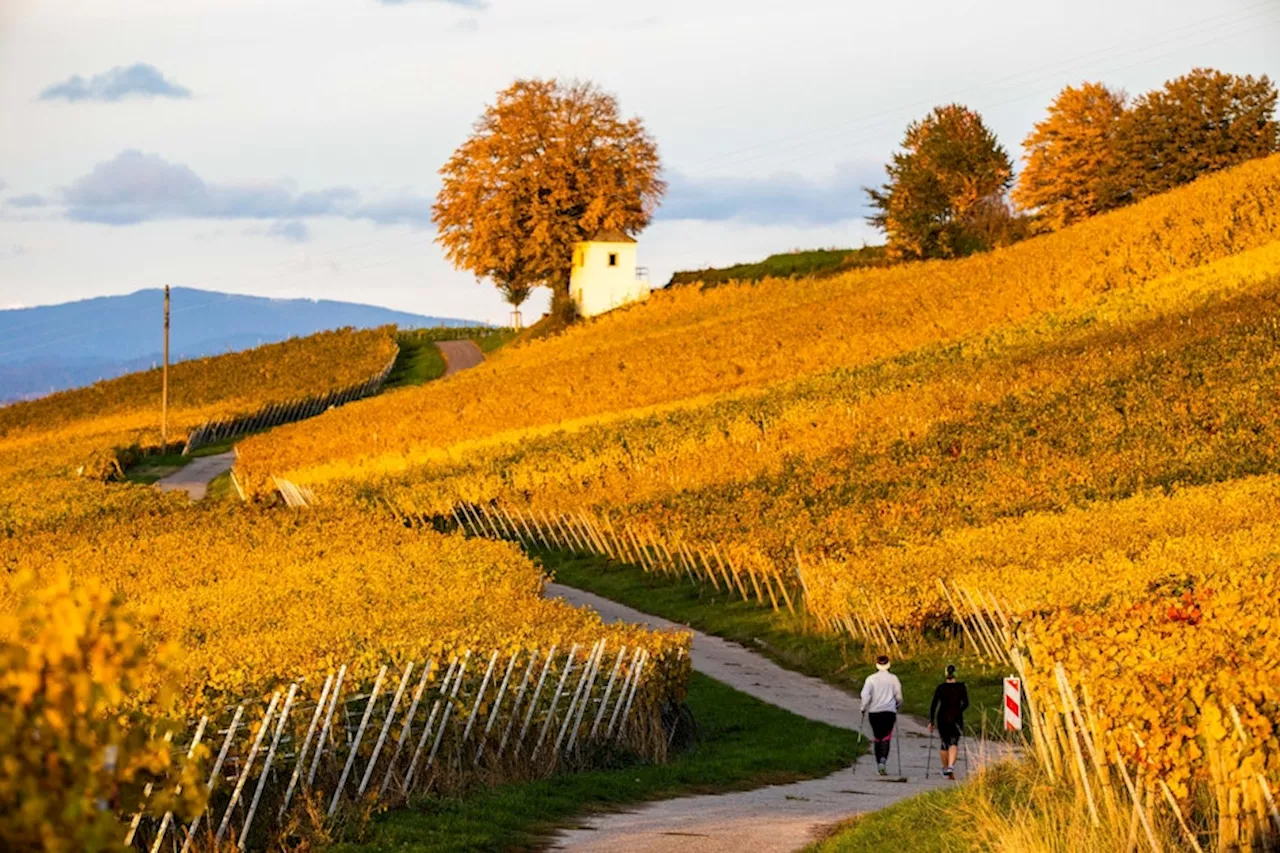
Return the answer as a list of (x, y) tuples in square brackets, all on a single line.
[(290, 148)]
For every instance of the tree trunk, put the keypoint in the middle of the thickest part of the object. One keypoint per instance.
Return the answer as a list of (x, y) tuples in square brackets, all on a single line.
[(562, 307)]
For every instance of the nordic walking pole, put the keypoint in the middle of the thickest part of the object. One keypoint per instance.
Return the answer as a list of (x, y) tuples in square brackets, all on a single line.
[(928, 765), (898, 741)]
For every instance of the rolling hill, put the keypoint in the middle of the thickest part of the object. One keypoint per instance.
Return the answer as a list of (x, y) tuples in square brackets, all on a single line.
[(55, 347)]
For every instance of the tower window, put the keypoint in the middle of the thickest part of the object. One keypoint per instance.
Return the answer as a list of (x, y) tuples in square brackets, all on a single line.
[(613, 259)]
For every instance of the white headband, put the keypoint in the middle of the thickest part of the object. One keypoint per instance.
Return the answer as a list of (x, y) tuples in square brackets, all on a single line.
[(882, 666)]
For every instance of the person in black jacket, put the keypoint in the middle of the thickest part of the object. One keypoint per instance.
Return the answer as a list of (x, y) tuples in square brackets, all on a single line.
[(947, 713)]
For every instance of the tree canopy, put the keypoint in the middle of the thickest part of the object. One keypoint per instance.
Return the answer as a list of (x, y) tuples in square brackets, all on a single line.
[(1201, 122), (945, 194), (548, 164), (1067, 156)]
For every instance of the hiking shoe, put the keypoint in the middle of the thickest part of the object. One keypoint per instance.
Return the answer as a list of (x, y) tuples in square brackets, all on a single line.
[(949, 772), (884, 771)]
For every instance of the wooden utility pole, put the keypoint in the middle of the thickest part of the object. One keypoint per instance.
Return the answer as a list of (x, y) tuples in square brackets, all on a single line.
[(164, 393)]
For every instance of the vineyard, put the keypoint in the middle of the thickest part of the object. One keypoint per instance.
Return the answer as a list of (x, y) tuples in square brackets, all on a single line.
[(58, 453), (232, 652), (1062, 453), (622, 365)]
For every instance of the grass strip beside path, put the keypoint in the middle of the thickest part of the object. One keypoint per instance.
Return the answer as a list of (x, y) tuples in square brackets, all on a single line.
[(157, 466), (925, 823), (789, 640), (743, 743)]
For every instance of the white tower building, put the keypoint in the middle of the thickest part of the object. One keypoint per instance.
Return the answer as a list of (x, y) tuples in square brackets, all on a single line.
[(605, 275)]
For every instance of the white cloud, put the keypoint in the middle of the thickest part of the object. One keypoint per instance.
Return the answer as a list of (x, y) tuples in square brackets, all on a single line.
[(135, 81)]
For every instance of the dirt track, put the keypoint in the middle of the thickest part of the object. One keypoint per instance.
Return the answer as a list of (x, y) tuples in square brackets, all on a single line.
[(459, 355), (193, 478), (775, 819)]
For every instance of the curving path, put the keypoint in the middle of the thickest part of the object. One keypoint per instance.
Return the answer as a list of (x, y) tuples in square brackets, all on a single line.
[(193, 478), (459, 355), (777, 818)]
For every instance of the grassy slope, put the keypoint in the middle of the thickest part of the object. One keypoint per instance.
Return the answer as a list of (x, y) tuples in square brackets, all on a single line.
[(787, 639), (742, 743), (420, 360), (815, 262)]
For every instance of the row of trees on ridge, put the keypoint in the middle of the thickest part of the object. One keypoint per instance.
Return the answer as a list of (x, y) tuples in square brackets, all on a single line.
[(951, 188), (552, 163)]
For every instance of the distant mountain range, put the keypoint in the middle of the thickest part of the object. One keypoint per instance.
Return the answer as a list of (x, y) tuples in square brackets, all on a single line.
[(55, 347)]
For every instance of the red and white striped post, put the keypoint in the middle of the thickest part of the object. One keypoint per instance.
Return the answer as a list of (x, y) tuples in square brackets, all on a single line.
[(1013, 704)]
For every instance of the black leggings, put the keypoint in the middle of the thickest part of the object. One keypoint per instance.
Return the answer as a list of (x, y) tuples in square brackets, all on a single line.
[(882, 726)]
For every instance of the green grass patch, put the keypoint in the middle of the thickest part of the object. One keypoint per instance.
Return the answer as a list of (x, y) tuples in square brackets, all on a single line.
[(495, 340), (420, 360), (926, 823), (793, 641), (221, 488), (743, 743), (815, 262)]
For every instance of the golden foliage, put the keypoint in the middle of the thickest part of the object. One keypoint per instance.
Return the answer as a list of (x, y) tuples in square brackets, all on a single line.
[(55, 451), (71, 759), (548, 164), (1067, 156), (621, 365), (258, 598)]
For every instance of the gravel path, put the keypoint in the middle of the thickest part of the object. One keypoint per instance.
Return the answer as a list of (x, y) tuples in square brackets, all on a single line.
[(777, 818), (193, 478), (459, 355)]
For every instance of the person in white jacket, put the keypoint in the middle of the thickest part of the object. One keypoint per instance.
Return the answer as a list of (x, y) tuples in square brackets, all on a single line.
[(881, 699)]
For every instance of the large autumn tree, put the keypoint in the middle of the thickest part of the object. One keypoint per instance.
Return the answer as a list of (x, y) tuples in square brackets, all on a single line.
[(548, 164), (1200, 122), (1067, 155), (945, 194)]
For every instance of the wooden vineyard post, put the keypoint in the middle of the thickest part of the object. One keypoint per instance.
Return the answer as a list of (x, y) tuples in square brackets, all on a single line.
[(448, 708), (167, 820), (800, 574), (964, 625), (408, 724), (213, 774), (355, 746), (328, 722), (707, 567), (302, 754), (586, 697), (608, 690), (164, 382), (533, 703), (555, 699), (386, 726), (484, 685), (639, 549), (266, 764), (244, 771), (146, 795), (515, 707), (1075, 748), (1137, 802), (497, 706), (458, 520), (426, 730), (622, 693), (635, 684), (588, 667), (737, 578)]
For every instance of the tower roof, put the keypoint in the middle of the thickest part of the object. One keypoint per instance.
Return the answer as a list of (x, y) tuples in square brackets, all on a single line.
[(611, 235)]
